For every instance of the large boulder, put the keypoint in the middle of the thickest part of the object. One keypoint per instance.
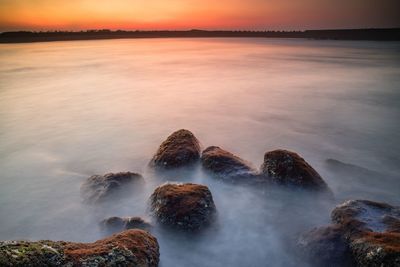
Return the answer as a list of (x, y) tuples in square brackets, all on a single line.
[(184, 206), (118, 224), (129, 248), (100, 187), (370, 232), (373, 230), (288, 168), (227, 166), (180, 149)]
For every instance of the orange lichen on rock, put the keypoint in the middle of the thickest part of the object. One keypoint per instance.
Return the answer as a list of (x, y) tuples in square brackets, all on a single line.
[(129, 248), (187, 206), (181, 148), (135, 246), (370, 229)]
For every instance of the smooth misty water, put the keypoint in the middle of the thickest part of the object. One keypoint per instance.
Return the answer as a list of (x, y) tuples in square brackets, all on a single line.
[(72, 109)]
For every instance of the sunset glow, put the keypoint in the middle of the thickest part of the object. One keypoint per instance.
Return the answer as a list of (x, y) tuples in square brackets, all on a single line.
[(187, 14)]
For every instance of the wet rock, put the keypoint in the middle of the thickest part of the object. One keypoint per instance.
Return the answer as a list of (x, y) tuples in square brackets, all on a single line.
[(184, 206), (368, 215), (376, 249), (326, 246), (118, 224), (129, 248), (25, 253), (373, 230), (370, 229), (227, 166), (180, 149), (288, 168), (100, 187)]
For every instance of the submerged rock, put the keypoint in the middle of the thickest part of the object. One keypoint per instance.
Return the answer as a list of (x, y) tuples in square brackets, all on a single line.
[(288, 168), (326, 246), (99, 187), (184, 206), (227, 166), (371, 231), (180, 149), (129, 248), (118, 224), (342, 168)]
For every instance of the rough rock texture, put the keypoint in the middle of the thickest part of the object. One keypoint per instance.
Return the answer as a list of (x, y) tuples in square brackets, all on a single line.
[(180, 149), (371, 231), (25, 253), (326, 246), (227, 166), (183, 206), (99, 187), (370, 215), (288, 168), (129, 248), (118, 224)]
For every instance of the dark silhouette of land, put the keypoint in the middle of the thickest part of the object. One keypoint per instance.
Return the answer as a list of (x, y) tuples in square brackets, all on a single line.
[(392, 34)]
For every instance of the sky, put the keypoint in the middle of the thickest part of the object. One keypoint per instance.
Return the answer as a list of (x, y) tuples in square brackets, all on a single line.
[(197, 14)]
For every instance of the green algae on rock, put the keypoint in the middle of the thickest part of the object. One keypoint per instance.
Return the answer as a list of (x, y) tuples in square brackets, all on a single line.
[(129, 248)]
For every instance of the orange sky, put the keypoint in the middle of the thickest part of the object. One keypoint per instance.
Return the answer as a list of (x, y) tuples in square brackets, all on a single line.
[(204, 14)]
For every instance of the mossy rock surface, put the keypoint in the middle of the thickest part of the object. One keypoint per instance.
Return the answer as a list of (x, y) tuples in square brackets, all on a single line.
[(129, 248), (185, 206), (367, 231), (180, 149)]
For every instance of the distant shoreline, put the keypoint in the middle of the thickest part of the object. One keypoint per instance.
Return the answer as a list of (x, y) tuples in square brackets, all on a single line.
[(392, 34)]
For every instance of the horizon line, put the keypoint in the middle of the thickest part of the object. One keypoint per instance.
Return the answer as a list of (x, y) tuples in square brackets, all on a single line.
[(195, 29)]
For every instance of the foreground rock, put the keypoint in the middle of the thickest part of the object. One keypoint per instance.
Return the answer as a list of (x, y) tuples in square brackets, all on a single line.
[(373, 230), (129, 248), (118, 224), (99, 187), (370, 230), (288, 168), (227, 166), (180, 149), (184, 206)]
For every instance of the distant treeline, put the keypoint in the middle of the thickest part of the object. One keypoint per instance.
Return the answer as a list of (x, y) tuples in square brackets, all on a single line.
[(349, 34)]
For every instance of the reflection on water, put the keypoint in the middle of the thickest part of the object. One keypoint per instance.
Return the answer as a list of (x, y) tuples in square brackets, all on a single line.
[(72, 109)]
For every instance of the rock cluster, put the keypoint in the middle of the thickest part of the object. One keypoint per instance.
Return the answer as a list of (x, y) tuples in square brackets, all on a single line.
[(129, 248), (184, 206), (364, 233)]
